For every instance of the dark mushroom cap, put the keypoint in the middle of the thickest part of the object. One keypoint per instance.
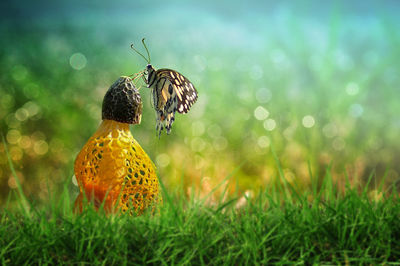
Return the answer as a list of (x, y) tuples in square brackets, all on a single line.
[(122, 102)]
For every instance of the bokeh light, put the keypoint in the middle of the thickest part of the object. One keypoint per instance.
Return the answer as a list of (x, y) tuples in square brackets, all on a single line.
[(77, 61), (163, 160), (263, 142), (308, 121), (269, 124), (352, 88), (13, 136), (318, 85), (260, 113)]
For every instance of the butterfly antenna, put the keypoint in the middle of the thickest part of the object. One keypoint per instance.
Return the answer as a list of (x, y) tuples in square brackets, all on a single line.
[(147, 50), (139, 53)]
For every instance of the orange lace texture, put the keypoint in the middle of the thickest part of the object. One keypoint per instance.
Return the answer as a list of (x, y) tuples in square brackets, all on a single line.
[(112, 167)]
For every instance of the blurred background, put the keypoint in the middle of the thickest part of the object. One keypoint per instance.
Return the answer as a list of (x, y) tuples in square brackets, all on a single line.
[(317, 84)]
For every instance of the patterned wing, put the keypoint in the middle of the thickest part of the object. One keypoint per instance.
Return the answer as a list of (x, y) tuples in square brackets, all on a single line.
[(186, 93), (165, 104)]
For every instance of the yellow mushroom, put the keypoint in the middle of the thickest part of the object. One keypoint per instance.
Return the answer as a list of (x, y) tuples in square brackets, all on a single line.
[(112, 167)]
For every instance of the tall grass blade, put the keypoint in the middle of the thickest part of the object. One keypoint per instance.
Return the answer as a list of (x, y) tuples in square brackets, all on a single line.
[(23, 200)]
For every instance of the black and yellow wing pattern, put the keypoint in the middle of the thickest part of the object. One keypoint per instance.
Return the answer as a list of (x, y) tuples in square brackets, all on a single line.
[(171, 92)]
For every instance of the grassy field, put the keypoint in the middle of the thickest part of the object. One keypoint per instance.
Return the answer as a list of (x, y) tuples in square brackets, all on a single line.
[(322, 224), (280, 226)]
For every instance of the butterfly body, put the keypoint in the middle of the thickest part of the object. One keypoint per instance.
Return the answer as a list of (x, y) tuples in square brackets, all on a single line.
[(171, 92)]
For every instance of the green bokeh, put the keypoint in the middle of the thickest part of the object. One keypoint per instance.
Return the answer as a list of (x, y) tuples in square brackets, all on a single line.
[(319, 84)]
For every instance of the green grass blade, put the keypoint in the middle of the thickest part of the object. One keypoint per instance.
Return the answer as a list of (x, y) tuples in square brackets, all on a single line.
[(22, 198)]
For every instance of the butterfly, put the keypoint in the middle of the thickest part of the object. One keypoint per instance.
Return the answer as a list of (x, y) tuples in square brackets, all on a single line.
[(171, 92)]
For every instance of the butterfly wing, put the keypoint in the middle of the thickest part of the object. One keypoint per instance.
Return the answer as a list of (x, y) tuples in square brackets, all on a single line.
[(165, 103), (179, 88), (171, 92)]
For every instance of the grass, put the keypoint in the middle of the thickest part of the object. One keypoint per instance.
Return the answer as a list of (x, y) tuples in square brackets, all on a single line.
[(280, 225)]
